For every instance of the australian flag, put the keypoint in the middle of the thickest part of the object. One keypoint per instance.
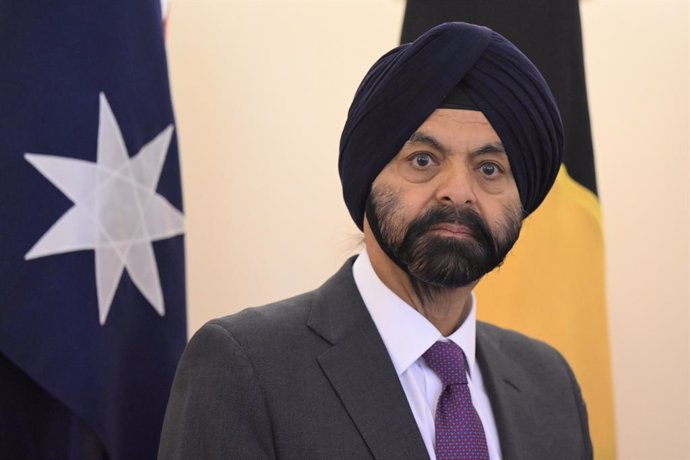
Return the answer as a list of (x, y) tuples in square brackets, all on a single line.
[(92, 292)]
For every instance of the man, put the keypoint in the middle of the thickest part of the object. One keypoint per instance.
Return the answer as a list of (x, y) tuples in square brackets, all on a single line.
[(450, 142)]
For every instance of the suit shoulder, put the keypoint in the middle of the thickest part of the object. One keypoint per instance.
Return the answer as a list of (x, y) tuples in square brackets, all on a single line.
[(275, 315), (264, 329)]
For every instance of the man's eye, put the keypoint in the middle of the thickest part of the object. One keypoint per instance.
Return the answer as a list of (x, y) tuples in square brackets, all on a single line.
[(490, 169), (422, 160)]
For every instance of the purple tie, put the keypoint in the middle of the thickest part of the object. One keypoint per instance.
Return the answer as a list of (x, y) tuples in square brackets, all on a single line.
[(459, 431)]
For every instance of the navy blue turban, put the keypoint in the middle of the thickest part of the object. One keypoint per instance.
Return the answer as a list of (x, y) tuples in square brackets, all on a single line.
[(408, 83)]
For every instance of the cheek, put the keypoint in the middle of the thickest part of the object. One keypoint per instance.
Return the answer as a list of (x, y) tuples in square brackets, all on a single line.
[(397, 213), (505, 192), (399, 200), (498, 211), (412, 205), (514, 202), (394, 211)]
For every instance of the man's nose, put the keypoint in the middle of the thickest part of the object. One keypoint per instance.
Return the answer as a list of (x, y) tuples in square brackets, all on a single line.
[(456, 186)]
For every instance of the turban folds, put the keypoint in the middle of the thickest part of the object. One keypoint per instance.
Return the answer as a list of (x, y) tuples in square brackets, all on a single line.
[(408, 83)]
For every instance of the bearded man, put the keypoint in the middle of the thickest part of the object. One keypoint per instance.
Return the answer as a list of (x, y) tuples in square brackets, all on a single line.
[(450, 142)]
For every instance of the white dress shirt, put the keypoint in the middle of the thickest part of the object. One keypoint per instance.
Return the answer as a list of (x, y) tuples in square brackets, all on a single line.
[(407, 334)]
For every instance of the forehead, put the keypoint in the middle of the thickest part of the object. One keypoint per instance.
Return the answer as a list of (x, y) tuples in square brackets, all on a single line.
[(458, 125)]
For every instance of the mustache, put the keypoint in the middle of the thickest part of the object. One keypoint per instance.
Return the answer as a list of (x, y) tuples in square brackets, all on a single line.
[(465, 217)]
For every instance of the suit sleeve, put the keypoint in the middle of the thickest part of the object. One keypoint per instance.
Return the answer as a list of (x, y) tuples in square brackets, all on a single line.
[(216, 407), (581, 409)]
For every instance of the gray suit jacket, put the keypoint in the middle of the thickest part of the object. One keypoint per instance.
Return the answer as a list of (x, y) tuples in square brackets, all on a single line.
[(310, 378)]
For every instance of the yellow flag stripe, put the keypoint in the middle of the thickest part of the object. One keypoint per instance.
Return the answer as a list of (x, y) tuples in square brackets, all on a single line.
[(580, 194)]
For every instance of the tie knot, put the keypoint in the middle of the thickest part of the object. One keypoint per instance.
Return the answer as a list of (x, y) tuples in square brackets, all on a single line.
[(448, 361)]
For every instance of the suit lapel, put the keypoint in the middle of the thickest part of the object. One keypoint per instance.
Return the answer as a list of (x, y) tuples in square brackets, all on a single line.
[(508, 389), (361, 372)]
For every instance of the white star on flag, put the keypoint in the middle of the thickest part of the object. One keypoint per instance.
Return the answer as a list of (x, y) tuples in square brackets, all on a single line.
[(116, 211)]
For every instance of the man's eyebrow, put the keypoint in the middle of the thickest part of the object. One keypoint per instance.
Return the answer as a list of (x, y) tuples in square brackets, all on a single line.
[(491, 148), (421, 138)]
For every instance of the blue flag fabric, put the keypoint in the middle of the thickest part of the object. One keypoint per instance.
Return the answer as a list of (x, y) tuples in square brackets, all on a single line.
[(92, 292)]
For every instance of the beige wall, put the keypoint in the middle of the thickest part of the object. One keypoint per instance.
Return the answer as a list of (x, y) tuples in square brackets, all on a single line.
[(261, 89), (637, 68)]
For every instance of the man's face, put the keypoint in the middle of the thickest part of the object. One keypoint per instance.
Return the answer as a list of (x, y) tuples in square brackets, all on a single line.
[(447, 205)]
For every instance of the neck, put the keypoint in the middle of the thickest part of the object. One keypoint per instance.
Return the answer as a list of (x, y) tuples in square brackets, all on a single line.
[(446, 309)]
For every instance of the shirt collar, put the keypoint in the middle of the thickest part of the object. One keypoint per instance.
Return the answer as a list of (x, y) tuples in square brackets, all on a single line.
[(406, 333)]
